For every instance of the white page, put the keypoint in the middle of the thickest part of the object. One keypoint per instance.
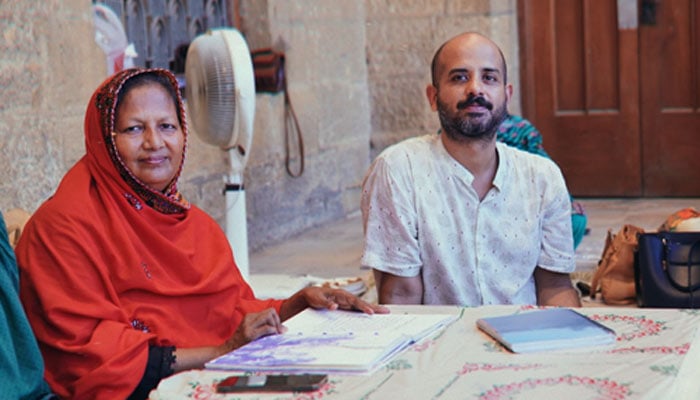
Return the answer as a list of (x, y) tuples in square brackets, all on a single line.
[(322, 340), (342, 322)]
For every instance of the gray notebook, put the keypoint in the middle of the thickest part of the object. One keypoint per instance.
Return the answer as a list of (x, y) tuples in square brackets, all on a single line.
[(545, 330)]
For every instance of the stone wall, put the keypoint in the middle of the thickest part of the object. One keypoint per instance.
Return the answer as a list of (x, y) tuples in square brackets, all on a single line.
[(357, 71), (47, 73), (325, 44)]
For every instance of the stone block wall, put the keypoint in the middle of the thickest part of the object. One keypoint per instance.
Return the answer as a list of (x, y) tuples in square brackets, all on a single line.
[(324, 43), (47, 73)]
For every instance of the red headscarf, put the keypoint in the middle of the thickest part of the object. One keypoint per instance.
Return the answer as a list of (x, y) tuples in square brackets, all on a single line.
[(109, 266)]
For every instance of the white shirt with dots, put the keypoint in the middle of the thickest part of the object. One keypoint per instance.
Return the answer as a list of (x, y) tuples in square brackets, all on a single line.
[(421, 215)]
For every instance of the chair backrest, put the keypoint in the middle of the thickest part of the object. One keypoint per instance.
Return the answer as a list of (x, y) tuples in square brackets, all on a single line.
[(15, 219)]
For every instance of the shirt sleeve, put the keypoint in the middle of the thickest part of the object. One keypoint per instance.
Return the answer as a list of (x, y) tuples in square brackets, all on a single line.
[(557, 252), (389, 218)]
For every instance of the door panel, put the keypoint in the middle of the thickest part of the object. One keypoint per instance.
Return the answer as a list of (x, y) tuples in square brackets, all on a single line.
[(670, 90), (581, 85)]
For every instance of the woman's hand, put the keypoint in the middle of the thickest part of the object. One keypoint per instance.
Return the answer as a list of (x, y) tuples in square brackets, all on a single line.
[(332, 299), (253, 326)]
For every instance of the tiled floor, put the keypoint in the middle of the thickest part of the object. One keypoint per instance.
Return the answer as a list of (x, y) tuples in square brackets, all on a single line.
[(334, 250)]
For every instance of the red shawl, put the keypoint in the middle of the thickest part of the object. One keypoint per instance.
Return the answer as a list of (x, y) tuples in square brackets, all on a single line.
[(109, 266)]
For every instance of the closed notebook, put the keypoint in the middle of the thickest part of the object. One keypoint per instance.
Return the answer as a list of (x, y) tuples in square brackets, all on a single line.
[(546, 329)]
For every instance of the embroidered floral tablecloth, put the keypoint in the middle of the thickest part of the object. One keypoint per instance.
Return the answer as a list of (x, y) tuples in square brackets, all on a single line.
[(657, 355)]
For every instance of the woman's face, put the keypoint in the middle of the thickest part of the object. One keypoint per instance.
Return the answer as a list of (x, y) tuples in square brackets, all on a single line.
[(148, 135)]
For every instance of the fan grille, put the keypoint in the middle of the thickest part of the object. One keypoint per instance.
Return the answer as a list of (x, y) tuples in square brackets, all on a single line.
[(211, 90)]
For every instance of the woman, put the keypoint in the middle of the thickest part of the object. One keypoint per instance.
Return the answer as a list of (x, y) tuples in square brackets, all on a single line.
[(123, 281)]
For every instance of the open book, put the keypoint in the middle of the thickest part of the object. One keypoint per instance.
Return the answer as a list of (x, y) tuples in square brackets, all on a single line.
[(333, 342), (546, 329)]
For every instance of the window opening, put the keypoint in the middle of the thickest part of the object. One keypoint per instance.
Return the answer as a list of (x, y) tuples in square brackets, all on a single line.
[(161, 30)]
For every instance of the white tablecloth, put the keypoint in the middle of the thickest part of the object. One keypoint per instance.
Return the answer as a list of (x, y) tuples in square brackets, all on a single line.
[(657, 355)]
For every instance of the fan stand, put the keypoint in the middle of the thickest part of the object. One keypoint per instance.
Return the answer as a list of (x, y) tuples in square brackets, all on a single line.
[(236, 221), (236, 229)]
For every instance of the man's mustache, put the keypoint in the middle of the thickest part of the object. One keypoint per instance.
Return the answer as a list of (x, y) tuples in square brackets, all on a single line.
[(474, 100)]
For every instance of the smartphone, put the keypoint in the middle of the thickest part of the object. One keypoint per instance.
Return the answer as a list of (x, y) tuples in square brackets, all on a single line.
[(272, 383)]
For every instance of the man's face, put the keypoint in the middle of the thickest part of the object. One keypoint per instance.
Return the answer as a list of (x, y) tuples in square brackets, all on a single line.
[(471, 96)]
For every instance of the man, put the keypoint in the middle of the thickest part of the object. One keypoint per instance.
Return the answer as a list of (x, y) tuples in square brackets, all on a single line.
[(455, 218)]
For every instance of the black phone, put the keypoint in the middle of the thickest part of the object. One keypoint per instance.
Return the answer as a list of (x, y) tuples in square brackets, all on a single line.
[(272, 383)]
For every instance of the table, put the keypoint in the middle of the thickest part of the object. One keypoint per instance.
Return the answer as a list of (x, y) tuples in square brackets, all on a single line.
[(656, 355)]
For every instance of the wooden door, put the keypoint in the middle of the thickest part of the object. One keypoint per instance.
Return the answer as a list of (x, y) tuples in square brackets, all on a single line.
[(669, 55), (597, 86)]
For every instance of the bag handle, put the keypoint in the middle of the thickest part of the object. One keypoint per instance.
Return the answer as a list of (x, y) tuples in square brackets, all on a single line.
[(290, 114), (690, 264), (668, 261), (270, 77)]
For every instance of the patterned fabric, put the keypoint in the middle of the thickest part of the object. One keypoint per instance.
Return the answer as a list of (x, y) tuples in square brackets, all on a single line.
[(21, 366), (683, 220), (579, 224), (423, 217), (520, 133), (110, 267)]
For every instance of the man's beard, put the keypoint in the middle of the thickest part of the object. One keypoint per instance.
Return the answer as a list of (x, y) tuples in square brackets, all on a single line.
[(459, 128)]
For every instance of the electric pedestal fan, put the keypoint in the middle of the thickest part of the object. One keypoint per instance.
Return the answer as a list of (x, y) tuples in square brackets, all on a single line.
[(220, 94)]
